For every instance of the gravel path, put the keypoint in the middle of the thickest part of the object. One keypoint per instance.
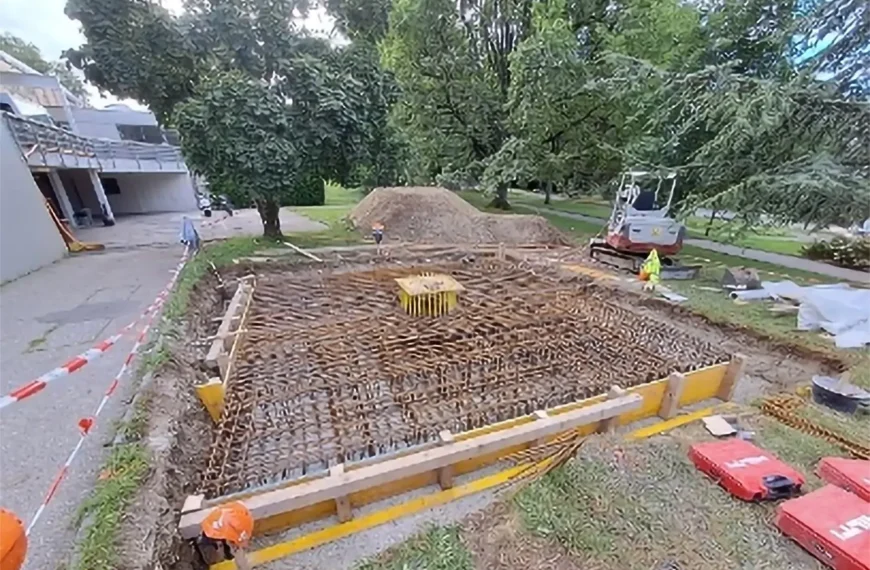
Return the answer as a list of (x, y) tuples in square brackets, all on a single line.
[(754, 254)]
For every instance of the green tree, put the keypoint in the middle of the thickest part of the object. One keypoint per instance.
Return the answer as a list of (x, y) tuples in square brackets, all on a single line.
[(451, 63), (135, 49), (206, 69), (555, 111), (29, 54), (773, 151), (247, 153)]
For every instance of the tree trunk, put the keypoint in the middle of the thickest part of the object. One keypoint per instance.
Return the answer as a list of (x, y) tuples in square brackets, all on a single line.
[(268, 210), (548, 189), (500, 201), (710, 223)]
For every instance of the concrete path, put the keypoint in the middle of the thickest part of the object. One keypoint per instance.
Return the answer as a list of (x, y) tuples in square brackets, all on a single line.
[(754, 254), (165, 229), (46, 318), (52, 315)]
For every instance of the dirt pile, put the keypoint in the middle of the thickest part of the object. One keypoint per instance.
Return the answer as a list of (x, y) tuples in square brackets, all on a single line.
[(436, 215)]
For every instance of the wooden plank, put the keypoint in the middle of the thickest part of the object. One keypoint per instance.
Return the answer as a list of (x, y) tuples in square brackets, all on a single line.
[(673, 393), (540, 415), (733, 374), (298, 249), (329, 488), (218, 347)]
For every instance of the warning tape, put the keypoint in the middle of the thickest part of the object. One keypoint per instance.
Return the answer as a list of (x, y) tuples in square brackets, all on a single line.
[(85, 424), (76, 363)]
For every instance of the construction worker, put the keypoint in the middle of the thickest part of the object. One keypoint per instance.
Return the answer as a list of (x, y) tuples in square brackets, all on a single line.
[(13, 541), (651, 271), (226, 532), (378, 234)]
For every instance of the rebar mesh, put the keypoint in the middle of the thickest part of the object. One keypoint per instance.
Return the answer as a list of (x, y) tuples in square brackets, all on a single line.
[(332, 370)]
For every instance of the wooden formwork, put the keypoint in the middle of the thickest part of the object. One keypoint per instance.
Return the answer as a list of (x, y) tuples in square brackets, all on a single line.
[(222, 351), (346, 487)]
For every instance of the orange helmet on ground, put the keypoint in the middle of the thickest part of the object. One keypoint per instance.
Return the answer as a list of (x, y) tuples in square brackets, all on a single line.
[(13, 541), (231, 522)]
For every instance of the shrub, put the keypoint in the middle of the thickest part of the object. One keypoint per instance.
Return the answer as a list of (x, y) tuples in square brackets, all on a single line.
[(853, 253)]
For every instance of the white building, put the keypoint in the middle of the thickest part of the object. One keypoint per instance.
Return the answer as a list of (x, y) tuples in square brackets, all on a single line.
[(92, 166)]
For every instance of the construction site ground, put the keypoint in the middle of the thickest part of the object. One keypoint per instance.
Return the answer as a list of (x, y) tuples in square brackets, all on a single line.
[(623, 505), (641, 493)]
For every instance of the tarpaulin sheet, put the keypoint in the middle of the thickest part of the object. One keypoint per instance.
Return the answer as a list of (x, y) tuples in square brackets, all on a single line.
[(837, 309)]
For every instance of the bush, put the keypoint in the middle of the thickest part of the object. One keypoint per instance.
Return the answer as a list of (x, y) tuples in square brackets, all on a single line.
[(853, 253)]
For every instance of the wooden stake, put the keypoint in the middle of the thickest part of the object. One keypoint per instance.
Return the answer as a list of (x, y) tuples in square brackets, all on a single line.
[(445, 474), (540, 415), (608, 425), (671, 398), (342, 504), (733, 374)]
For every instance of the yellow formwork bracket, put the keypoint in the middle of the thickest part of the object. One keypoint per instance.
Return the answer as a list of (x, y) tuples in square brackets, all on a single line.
[(433, 295), (211, 394)]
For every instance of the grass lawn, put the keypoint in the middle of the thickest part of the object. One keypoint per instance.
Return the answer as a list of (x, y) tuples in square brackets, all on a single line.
[(625, 505), (774, 240), (577, 229), (338, 203), (437, 548)]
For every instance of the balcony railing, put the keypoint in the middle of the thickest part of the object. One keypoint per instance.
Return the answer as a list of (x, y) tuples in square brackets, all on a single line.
[(47, 145)]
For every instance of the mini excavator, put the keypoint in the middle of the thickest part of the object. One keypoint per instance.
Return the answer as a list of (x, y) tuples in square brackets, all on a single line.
[(640, 222)]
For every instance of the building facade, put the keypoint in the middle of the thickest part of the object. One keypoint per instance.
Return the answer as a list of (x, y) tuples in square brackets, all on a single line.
[(90, 166)]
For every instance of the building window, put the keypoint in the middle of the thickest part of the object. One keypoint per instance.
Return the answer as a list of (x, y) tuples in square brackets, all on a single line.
[(141, 133)]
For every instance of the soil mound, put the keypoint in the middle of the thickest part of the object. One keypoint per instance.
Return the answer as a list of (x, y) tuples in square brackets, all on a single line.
[(437, 215)]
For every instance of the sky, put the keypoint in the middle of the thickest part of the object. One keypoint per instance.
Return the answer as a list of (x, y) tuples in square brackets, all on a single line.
[(43, 23)]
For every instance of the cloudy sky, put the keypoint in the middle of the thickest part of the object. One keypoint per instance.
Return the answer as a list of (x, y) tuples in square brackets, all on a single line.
[(43, 23)]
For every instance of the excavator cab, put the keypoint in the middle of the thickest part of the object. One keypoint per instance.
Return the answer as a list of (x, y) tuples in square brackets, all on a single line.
[(640, 222)]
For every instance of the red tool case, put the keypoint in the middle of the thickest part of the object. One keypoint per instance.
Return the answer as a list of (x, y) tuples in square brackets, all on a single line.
[(850, 474), (746, 471), (830, 523)]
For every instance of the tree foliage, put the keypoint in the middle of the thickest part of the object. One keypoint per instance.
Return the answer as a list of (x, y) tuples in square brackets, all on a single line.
[(135, 49), (29, 54), (247, 86), (760, 105), (247, 153)]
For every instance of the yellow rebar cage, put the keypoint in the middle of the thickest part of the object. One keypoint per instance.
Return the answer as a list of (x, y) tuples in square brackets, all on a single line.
[(432, 295)]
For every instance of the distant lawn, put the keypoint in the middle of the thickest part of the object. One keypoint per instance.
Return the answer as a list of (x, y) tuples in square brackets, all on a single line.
[(589, 206), (338, 203), (578, 229), (773, 240)]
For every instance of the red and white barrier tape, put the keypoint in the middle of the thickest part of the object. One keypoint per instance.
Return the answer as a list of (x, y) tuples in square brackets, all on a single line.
[(34, 386), (85, 424)]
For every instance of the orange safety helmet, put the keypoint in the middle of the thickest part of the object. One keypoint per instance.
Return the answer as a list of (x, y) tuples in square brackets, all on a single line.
[(13, 541), (231, 522)]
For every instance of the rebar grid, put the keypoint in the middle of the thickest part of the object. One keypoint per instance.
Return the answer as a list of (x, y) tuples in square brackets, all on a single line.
[(331, 369)]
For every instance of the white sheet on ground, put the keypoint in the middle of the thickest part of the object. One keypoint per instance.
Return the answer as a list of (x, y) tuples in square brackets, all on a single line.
[(837, 309)]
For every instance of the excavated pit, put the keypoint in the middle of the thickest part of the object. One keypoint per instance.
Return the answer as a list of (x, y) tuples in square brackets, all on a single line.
[(331, 370)]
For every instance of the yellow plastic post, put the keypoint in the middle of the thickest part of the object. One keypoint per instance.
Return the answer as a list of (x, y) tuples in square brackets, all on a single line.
[(211, 395)]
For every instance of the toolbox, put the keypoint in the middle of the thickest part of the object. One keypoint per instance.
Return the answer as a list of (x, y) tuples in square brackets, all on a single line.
[(746, 471), (831, 524), (852, 475)]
